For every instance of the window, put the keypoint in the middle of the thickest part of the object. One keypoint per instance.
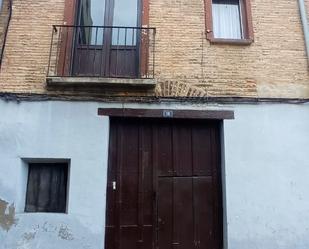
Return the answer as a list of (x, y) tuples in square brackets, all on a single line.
[(229, 21), (47, 187)]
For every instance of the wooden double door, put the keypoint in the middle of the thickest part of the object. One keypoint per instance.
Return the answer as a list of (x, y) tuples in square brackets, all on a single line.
[(107, 38), (164, 185)]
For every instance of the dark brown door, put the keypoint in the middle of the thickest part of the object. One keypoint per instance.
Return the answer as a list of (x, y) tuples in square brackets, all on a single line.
[(164, 188), (107, 42)]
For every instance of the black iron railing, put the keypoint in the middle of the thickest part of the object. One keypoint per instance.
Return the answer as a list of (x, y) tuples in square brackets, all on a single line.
[(102, 51)]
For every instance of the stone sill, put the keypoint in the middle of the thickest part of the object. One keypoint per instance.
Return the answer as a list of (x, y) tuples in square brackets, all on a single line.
[(99, 82), (231, 41)]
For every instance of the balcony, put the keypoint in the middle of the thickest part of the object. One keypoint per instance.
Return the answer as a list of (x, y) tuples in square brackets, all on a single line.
[(101, 55)]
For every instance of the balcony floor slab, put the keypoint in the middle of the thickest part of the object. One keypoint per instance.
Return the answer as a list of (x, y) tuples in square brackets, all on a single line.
[(100, 81)]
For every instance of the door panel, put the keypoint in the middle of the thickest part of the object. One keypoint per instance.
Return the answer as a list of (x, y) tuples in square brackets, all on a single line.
[(92, 13), (90, 38), (129, 174), (167, 189), (165, 213), (185, 151), (112, 50), (123, 61), (182, 151), (111, 204), (202, 150), (130, 159), (185, 212), (125, 13), (164, 149), (204, 210)]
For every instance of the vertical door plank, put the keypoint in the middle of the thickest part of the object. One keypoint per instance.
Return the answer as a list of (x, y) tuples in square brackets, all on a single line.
[(155, 182), (128, 185), (217, 186), (201, 150), (117, 238), (140, 194), (111, 209), (165, 213), (145, 210), (182, 151), (111, 176), (146, 162), (164, 150), (183, 213), (204, 211), (129, 175)]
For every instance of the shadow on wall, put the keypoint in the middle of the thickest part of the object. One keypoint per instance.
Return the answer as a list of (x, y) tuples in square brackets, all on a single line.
[(5, 16)]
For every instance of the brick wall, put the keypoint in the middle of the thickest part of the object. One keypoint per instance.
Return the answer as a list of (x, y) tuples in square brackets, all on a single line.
[(28, 42), (275, 65)]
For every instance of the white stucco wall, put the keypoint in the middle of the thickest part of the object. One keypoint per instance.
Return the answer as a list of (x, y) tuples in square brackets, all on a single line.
[(267, 177), (55, 130), (266, 173)]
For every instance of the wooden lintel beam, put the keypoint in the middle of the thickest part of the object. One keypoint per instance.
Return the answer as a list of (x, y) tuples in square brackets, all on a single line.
[(166, 113)]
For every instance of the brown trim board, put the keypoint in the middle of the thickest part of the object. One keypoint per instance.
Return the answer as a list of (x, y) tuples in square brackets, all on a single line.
[(166, 113), (51, 96), (66, 37)]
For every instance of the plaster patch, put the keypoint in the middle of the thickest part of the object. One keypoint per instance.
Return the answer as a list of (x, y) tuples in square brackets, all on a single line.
[(64, 233), (7, 215), (48, 228), (29, 236)]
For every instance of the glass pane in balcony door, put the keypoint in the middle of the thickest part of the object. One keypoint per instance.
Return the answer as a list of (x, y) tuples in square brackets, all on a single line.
[(125, 15), (91, 14)]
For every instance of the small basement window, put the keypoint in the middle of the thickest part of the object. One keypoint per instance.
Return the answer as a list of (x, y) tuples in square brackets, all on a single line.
[(47, 187)]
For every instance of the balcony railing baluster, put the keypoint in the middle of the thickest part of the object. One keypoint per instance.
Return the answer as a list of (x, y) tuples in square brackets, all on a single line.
[(101, 52), (117, 50), (125, 49)]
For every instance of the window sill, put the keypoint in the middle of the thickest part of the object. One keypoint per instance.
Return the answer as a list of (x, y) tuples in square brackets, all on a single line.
[(231, 41), (100, 82), (24, 213)]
